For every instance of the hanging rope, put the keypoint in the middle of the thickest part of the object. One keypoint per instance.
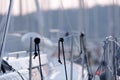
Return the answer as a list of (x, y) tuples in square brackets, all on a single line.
[(61, 40), (59, 60), (37, 52)]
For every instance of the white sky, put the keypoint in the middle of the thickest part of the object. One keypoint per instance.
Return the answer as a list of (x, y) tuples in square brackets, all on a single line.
[(29, 6)]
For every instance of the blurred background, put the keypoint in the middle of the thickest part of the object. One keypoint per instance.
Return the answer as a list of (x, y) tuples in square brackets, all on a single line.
[(54, 18)]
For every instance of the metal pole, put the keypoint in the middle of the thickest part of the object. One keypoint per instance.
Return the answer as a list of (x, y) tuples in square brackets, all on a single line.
[(6, 31), (105, 47), (83, 66), (71, 72), (114, 61), (113, 19), (40, 64), (30, 60)]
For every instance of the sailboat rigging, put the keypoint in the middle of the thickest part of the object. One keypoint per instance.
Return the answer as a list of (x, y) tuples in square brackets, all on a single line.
[(6, 30)]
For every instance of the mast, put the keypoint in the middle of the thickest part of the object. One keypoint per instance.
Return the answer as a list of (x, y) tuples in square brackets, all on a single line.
[(95, 19), (117, 17), (82, 16), (82, 26), (50, 23), (113, 19), (6, 30), (20, 2), (41, 18)]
